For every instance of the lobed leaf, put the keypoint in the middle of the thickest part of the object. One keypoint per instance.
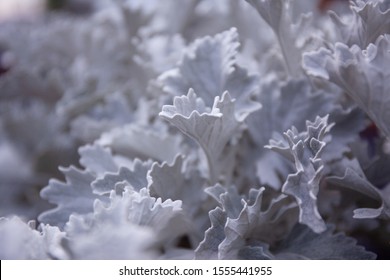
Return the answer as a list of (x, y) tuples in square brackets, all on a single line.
[(361, 73), (304, 149), (213, 129)]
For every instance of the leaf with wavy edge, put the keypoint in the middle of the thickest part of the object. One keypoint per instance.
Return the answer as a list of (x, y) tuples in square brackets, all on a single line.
[(20, 240), (205, 67), (368, 21), (348, 123), (135, 141), (97, 159), (354, 179), (304, 149), (230, 206), (208, 248), (213, 129), (278, 13), (135, 177), (363, 74), (173, 182), (283, 106), (240, 228), (151, 222), (73, 196), (117, 238), (165, 217), (76, 195), (209, 67), (255, 228), (302, 243)]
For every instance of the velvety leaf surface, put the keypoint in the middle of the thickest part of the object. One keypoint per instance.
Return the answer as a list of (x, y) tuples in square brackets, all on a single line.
[(361, 73), (304, 149), (73, 196), (303, 243)]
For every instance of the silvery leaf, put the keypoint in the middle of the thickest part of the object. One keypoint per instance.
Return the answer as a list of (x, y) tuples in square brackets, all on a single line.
[(133, 225), (304, 149), (135, 141), (97, 159), (213, 129), (73, 196), (20, 240), (159, 53), (241, 229), (171, 182), (205, 68), (228, 198), (348, 123), (208, 248), (282, 108), (166, 218), (115, 110), (209, 67), (302, 243), (230, 206), (135, 177), (363, 74), (117, 239), (368, 21), (255, 226), (290, 35), (354, 179)]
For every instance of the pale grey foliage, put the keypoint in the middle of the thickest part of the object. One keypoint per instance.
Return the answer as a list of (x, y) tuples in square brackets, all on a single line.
[(354, 178), (369, 20), (210, 68), (73, 196), (110, 93), (292, 35), (213, 129), (21, 241), (304, 150), (133, 225), (240, 227), (303, 244), (176, 182), (137, 141), (361, 73), (283, 108), (135, 177)]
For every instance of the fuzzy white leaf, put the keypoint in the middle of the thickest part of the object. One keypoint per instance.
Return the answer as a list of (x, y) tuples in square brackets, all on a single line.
[(354, 179), (283, 107), (73, 196), (212, 129), (97, 159), (20, 240), (208, 248), (290, 35), (304, 149), (368, 21), (205, 68), (171, 182), (363, 74), (136, 141), (133, 225), (302, 243), (209, 67), (117, 239), (255, 227), (136, 178), (241, 229)]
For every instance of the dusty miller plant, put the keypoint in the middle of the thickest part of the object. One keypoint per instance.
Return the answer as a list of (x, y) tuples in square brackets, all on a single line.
[(197, 129)]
